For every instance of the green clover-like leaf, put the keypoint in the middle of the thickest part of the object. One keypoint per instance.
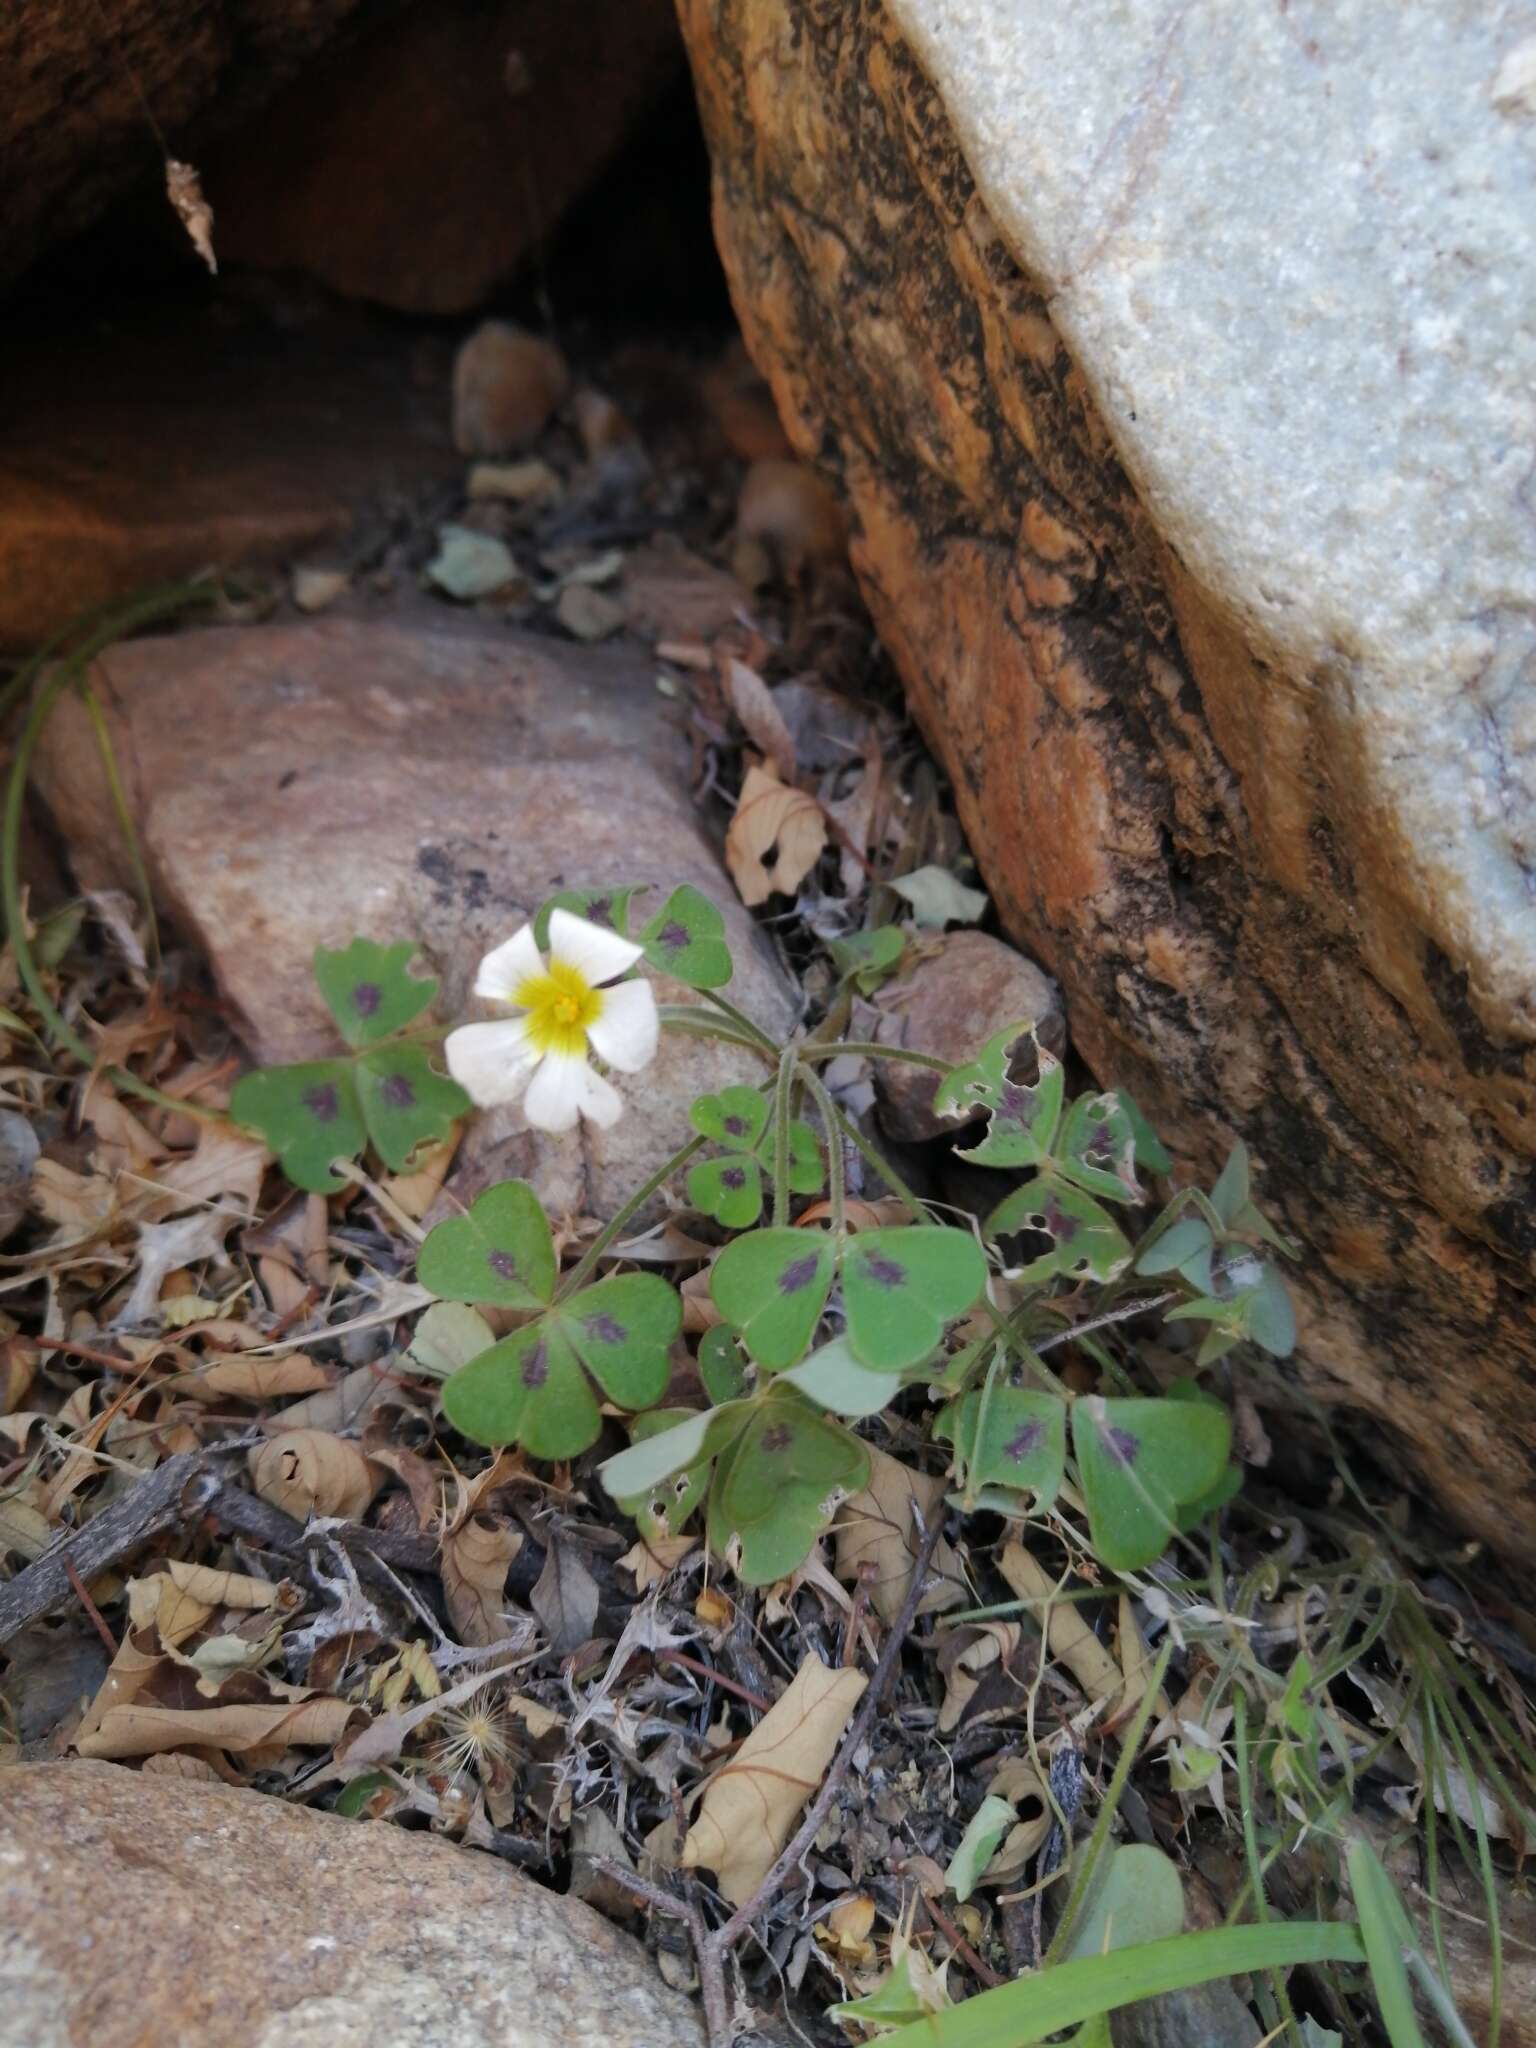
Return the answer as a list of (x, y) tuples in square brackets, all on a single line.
[(729, 1188), (370, 990), (692, 1437), (1082, 1237), (1138, 1461), (868, 958), (500, 1253), (308, 1115), (621, 1328), (722, 1367), (1023, 1120), (1150, 1149), (406, 1102), (807, 1170), (772, 1286), (1184, 1247), (1097, 1149), (1015, 1437), (604, 904), (686, 939), (900, 1288), (668, 1498), (736, 1118), (779, 1484), (529, 1389), (834, 1379)]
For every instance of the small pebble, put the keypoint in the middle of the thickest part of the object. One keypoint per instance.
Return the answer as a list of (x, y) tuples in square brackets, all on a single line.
[(506, 386)]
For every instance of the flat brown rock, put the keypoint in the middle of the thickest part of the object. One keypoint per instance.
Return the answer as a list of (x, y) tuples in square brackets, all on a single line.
[(162, 1909), (297, 785)]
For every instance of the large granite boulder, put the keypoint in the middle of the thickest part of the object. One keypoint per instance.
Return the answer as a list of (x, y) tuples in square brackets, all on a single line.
[(1181, 381)]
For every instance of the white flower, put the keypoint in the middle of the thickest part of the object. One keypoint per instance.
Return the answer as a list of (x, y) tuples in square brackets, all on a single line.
[(567, 1007)]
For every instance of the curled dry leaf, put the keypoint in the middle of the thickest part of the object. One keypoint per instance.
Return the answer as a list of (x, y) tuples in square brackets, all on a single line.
[(752, 701), (966, 1655), (775, 838), (752, 1803), (652, 1562), (309, 1472), (565, 1598), (264, 1379), (877, 1538), (1071, 1640), (1019, 1783), (223, 1589), (477, 1556), (251, 1713)]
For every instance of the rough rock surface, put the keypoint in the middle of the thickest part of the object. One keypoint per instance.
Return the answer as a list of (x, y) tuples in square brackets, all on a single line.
[(1179, 386), (961, 990), (201, 1916), (295, 785), (151, 446)]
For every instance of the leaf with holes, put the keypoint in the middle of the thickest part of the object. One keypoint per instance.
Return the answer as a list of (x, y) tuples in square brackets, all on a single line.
[(1097, 1149), (664, 1474), (729, 1188), (500, 1253), (686, 939), (772, 1286), (1014, 1437), (722, 1367), (406, 1102), (1022, 1126), (978, 1084), (736, 1118), (900, 1287), (621, 1328), (1083, 1238), (308, 1115), (779, 1484), (833, 1378), (603, 904), (370, 990), (1138, 1462), (529, 1389)]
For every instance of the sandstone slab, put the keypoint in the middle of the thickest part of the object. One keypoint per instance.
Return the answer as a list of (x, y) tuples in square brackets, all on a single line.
[(1179, 386), (154, 1908), (293, 786)]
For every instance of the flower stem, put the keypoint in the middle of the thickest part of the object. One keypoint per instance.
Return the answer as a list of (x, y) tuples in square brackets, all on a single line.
[(886, 1171), (755, 1032), (836, 1177), (782, 1098), (867, 1049), (686, 1017), (586, 1264)]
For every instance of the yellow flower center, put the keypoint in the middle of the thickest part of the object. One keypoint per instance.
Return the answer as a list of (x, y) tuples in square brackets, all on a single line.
[(562, 1007)]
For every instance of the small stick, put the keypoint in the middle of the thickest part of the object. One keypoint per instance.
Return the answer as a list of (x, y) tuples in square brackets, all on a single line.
[(962, 1948), (92, 1610), (742, 1692), (711, 1977)]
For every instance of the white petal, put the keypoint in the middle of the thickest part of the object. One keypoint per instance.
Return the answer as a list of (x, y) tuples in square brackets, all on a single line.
[(599, 955), (491, 1062), (625, 1034), (555, 1092), (601, 1102), (505, 970)]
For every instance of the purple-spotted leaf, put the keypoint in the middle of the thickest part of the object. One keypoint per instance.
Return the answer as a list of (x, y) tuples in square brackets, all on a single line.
[(833, 1378), (1022, 1126), (370, 990), (729, 1188), (686, 939), (602, 904), (900, 1287), (772, 1286), (1064, 1231), (529, 1389), (500, 1253), (621, 1328), (406, 1102), (308, 1115), (1138, 1462), (1097, 1148), (778, 1485), (1014, 1437), (736, 1117)]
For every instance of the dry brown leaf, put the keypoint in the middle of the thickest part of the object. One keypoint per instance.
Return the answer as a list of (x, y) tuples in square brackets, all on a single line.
[(752, 1803), (654, 1560), (308, 1472), (74, 1201), (415, 1192), (223, 1589), (775, 838), (966, 1655), (752, 701), (172, 1763), (226, 1162), (161, 1248), (476, 1558), (565, 1598), (18, 1369), (1070, 1638), (1019, 1783), (264, 1379), (876, 1528), (846, 1930), (143, 1728), (1136, 1663)]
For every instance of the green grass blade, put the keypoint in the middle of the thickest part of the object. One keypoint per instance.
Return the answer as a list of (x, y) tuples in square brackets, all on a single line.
[(1388, 1936)]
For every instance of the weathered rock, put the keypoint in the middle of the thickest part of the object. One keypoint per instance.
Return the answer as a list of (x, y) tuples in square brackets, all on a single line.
[(295, 785), (418, 165), (202, 1916), (1180, 390), (962, 989), (144, 449)]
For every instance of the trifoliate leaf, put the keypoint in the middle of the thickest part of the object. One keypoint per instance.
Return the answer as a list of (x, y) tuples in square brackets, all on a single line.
[(939, 898), (602, 904), (529, 1389), (500, 1253), (772, 1286), (1184, 1247), (900, 1288), (1021, 1128), (730, 1189), (1150, 1150), (1137, 1461), (369, 989), (1014, 1437), (722, 1367), (1066, 1232), (686, 939), (868, 958), (621, 1328), (1229, 1197), (780, 1483), (309, 1115), (686, 1443), (833, 1378), (736, 1117), (406, 1102)]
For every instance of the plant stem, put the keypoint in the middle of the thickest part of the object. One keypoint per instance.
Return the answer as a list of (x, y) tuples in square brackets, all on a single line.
[(782, 1095), (887, 1172), (688, 1018), (585, 1265), (836, 1179), (755, 1032), (866, 1049)]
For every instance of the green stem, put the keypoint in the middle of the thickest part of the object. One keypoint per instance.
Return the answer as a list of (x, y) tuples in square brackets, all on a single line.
[(837, 1194), (898, 1055), (783, 1093), (887, 1172), (754, 1032), (688, 1018), (585, 1265)]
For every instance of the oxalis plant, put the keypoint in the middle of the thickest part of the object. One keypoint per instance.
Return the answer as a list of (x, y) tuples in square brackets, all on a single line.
[(823, 1324)]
